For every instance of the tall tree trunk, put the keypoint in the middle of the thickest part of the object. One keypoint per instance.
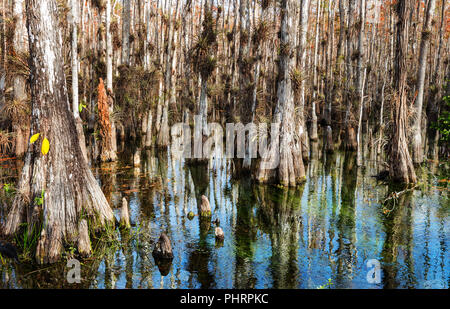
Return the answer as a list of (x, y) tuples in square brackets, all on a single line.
[(340, 46), (160, 41), (302, 48), (3, 57), (62, 176), (287, 147), (20, 45), (362, 22), (350, 140), (126, 15), (401, 166), (109, 48), (313, 131), (417, 145), (169, 94), (359, 155), (109, 139), (243, 61), (75, 102)]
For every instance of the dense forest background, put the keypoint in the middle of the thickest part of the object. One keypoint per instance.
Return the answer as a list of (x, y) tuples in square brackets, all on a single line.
[(362, 76), (163, 61)]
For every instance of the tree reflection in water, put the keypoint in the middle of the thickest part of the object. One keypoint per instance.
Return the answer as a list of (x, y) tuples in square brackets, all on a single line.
[(327, 228)]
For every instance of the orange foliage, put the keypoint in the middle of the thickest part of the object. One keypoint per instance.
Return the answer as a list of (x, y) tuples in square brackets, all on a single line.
[(103, 113)]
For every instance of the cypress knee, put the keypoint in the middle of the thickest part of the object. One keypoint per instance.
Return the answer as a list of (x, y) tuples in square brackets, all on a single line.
[(163, 248), (219, 234), (205, 208), (124, 215)]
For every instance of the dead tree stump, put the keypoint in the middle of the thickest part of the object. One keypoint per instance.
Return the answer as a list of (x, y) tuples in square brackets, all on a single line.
[(163, 248)]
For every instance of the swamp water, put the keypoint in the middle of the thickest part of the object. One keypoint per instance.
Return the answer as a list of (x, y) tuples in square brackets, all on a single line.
[(321, 234)]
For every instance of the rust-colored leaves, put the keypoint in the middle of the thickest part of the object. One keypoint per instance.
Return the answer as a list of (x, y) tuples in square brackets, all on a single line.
[(103, 112)]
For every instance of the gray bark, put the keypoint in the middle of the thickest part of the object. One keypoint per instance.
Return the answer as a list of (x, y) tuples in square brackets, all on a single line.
[(287, 147), (126, 32), (417, 145), (75, 64), (20, 45), (401, 166), (62, 176)]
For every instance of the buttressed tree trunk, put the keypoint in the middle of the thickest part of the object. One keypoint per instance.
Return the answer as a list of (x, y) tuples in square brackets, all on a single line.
[(401, 166), (56, 190), (290, 170)]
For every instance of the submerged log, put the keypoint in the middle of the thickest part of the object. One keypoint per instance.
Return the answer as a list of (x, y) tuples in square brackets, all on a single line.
[(163, 248), (205, 207), (84, 243), (124, 215)]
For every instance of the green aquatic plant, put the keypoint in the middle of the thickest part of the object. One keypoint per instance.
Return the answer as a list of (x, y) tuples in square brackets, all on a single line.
[(28, 239), (326, 285)]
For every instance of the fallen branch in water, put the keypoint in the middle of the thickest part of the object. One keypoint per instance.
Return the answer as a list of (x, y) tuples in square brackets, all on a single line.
[(395, 195)]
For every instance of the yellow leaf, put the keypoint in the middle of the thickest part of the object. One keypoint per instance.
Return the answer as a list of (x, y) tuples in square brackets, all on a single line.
[(45, 146), (34, 138)]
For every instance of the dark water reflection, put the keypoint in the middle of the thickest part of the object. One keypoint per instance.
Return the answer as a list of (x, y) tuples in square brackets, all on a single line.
[(327, 228)]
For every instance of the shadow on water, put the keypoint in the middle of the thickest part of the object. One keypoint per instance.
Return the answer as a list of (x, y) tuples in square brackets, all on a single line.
[(322, 231)]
